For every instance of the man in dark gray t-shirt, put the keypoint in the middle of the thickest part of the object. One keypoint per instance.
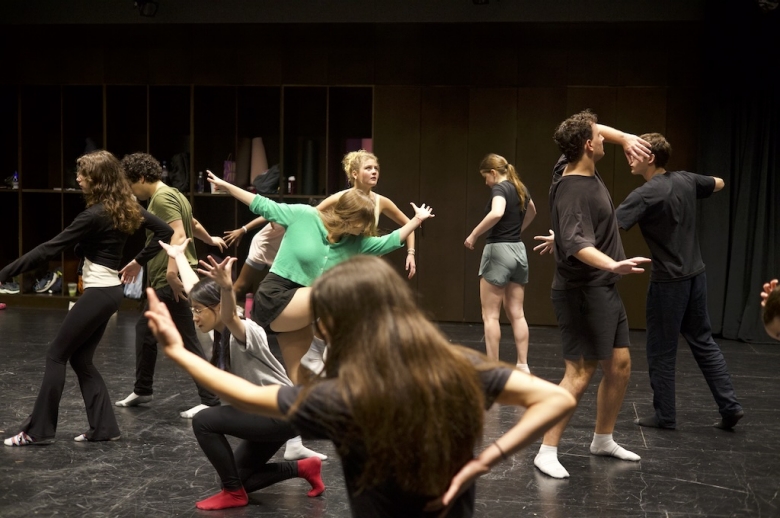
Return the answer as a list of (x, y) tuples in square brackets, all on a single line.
[(665, 209), (589, 260)]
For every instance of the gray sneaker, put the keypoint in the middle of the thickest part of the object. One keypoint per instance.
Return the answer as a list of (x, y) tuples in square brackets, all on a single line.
[(10, 288)]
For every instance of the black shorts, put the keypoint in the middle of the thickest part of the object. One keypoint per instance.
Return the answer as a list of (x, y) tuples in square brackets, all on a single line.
[(273, 295), (592, 321)]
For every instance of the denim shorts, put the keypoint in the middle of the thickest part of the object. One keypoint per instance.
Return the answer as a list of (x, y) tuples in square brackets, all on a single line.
[(503, 263)]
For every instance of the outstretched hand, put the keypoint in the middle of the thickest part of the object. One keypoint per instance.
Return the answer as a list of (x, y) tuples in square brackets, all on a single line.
[(174, 250), (422, 212), (635, 147), (546, 247), (233, 237), (769, 287), (630, 265), (215, 180), (161, 324), (462, 480), (221, 273)]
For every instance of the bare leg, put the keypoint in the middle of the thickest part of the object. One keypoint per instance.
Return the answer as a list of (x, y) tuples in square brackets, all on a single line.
[(513, 305), (295, 332), (247, 280), (612, 389), (294, 345), (491, 296), (575, 379)]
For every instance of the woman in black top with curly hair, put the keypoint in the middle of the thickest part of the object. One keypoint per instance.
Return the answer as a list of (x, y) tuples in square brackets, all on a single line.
[(99, 233)]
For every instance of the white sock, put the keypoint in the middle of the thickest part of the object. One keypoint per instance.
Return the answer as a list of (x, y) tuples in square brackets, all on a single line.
[(314, 358), (547, 462), (604, 444), (523, 367), (189, 414), (295, 450)]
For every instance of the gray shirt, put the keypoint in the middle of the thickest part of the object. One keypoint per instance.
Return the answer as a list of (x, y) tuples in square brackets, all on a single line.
[(254, 361)]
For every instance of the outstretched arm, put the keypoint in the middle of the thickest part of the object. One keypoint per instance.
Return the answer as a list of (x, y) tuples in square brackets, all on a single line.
[(545, 405), (592, 256), (633, 146), (421, 213), (392, 211), (240, 393), (188, 275), (238, 193), (200, 232), (221, 273), (233, 237)]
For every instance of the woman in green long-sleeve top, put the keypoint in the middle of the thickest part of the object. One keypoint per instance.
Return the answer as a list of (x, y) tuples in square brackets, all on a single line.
[(314, 241)]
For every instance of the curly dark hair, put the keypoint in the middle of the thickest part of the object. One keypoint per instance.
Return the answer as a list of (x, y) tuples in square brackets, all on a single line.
[(572, 134), (107, 185), (141, 165)]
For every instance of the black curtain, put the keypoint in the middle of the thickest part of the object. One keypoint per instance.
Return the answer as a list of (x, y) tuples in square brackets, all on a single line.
[(740, 142)]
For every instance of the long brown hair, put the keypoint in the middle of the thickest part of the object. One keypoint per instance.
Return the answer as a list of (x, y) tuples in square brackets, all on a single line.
[(353, 208), (500, 164), (108, 185), (415, 401)]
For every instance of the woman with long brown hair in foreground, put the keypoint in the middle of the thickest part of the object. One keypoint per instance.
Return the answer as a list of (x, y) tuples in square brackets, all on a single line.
[(404, 407)]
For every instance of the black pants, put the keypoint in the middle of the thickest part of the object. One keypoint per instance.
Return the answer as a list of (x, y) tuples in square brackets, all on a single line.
[(675, 308), (146, 345), (248, 467), (76, 342)]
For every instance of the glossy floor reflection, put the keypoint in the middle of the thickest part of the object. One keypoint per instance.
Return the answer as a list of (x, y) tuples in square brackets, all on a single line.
[(157, 468)]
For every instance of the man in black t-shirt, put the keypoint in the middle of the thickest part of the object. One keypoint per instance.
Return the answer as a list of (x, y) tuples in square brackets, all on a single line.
[(665, 208), (589, 260)]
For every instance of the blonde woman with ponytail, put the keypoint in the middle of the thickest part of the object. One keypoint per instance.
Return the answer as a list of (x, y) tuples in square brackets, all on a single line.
[(503, 270), (362, 170)]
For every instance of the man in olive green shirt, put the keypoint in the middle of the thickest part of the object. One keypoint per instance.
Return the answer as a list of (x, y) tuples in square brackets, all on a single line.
[(168, 204)]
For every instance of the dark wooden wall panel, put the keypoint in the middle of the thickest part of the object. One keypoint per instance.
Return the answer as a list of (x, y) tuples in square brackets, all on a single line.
[(305, 57), (397, 58), (539, 111), (443, 170), (492, 129), (444, 50), (397, 115), (682, 124)]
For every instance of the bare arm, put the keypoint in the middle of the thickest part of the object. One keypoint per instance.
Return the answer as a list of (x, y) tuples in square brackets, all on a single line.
[(172, 275), (497, 209), (530, 214), (200, 232), (238, 193), (421, 213), (545, 405), (221, 273), (597, 259), (234, 236), (632, 145), (176, 252), (239, 392), (330, 201), (392, 211)]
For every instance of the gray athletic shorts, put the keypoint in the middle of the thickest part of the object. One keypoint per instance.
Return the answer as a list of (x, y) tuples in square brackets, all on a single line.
[(592, 321), (503, 263)]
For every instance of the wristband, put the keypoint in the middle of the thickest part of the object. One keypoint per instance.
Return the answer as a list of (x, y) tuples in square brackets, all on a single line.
[(245, 230), (410, 251), (503, 455)]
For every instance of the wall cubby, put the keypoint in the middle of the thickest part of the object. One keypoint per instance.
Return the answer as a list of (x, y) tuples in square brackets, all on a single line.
[(305, 130)]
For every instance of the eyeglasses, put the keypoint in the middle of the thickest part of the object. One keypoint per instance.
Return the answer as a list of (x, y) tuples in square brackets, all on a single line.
[(198, 311)]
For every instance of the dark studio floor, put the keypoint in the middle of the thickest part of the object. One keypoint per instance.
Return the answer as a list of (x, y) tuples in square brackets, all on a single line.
[(157, 468)]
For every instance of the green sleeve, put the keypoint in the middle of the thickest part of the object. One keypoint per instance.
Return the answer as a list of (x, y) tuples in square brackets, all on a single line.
[(381, 245), (281, 213)]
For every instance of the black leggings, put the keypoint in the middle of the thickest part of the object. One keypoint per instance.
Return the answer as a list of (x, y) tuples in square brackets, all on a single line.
[(77, 339), (248, 467)]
